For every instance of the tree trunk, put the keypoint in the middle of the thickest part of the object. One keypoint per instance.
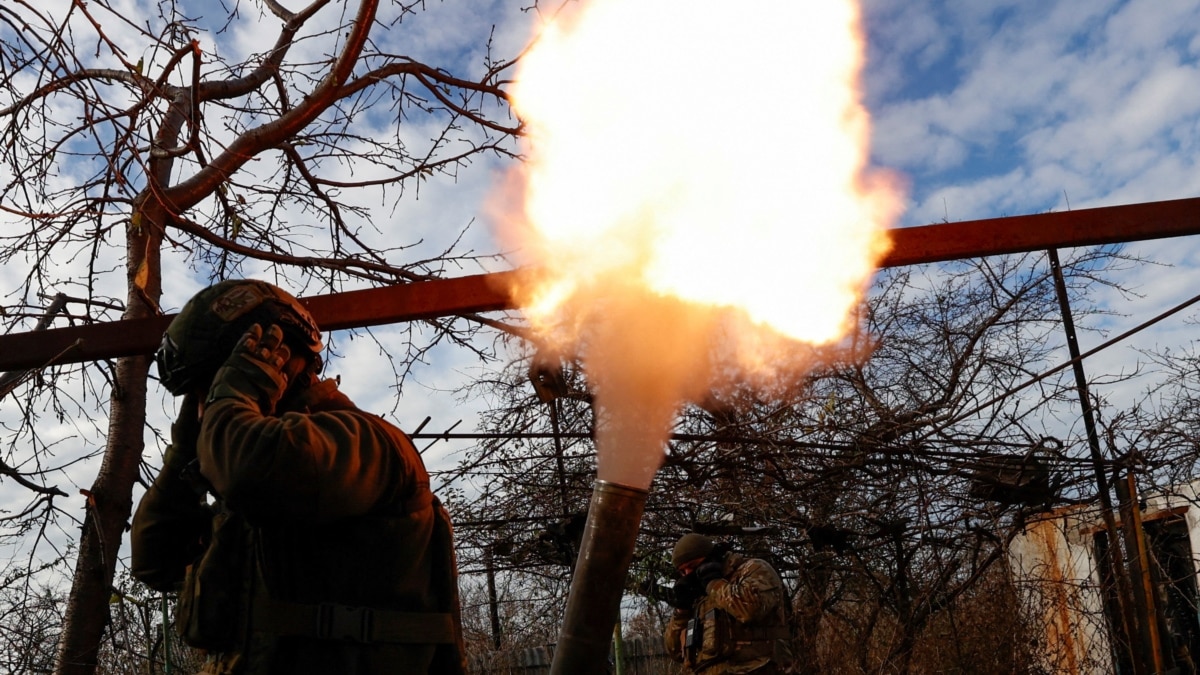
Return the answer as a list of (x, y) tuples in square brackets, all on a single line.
[(107, 510), (109, 503)]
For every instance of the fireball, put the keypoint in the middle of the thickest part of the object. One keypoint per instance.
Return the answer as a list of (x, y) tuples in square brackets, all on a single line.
[(696, 197)]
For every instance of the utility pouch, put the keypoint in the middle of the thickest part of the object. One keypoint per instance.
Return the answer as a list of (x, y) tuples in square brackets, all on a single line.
[(693, 638), (209, 614), (716, 640)]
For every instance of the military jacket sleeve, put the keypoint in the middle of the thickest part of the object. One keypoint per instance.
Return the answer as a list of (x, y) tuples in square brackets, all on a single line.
[(169, 529), (297, 464), (750, 593), (673, 636)]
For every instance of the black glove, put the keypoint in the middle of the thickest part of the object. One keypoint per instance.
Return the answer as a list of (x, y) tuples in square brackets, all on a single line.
[(708, 571), (186, 427), (685, 592), (179, 476), (253, 371), (182, 449)]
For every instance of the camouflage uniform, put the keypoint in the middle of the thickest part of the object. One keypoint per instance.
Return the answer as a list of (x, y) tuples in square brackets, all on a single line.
[(742, 622), (326, 510)]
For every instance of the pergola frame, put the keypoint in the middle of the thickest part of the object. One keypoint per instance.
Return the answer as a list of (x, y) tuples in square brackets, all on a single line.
[(489, 292)]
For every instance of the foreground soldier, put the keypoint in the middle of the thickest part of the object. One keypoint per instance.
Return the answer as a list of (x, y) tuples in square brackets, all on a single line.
[(730, 614), (322, 550)]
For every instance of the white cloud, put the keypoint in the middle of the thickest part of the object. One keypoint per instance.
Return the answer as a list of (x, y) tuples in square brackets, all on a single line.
[(1086, 98)]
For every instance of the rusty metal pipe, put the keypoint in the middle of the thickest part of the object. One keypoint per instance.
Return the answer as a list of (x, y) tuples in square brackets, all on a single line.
[(336, 311), (613, 520), (489, 292)]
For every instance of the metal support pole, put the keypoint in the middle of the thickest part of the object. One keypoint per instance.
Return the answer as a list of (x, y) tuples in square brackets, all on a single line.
[(489, 292), (10, 380), (1129, 622), (618, 650), (1139, 568), (493, 601)]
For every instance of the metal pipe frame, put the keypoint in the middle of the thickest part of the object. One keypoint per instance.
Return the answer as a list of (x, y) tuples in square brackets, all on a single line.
[(489, 292)]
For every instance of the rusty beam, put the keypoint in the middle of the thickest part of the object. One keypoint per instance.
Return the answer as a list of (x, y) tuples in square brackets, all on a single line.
[(1065, 229), (351, 309), (411, 302), (487, 292)]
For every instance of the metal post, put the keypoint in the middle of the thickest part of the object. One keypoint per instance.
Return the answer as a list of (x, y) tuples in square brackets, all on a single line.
[(618, 650), (490, 292), (1139, 564), (1129, 620), (493, 602), (10, 380)]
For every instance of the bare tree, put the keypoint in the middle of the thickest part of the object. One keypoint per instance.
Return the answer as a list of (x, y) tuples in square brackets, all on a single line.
[(883, 489), (30, 617), (217, 138)]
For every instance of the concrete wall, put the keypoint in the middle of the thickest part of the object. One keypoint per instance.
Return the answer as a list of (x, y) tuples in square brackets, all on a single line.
[(1054, 565), (1054, 568)]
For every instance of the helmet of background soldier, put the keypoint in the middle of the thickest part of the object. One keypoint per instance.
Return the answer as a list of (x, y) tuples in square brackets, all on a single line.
[(208, 327), (691, 546)]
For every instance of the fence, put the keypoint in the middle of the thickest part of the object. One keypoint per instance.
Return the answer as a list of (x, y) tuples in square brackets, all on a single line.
[(640, 656)]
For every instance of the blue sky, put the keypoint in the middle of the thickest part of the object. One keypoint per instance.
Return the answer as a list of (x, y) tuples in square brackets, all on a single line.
[(1004, 108), (1020, 106)]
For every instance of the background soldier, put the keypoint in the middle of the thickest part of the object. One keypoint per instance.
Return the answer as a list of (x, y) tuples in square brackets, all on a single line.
[(730, 612), (320, 548)]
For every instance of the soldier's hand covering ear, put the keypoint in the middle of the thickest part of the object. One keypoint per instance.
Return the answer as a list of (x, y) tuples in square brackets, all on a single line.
[(266, 346), (253, 372), (709, 571), (685, 592), (184, 432), (186, 427)]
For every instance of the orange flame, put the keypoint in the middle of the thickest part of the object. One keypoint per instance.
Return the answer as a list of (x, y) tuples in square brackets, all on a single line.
[(696, 195)]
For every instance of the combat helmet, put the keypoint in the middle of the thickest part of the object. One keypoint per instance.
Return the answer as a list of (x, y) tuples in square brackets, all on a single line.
[(691, 546), (209, 325)]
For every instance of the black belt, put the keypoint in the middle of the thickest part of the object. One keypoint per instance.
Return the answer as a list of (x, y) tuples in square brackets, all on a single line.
[(332, 621)]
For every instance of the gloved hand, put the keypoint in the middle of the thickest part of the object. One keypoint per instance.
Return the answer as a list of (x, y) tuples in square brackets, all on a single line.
[(253, 372), (180, 456), (685, 592), (184, 431), (186, 427), (709, 571), (266, 346)]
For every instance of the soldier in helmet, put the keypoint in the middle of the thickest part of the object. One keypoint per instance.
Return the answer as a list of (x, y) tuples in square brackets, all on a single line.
[(730, 612), (299, 531)]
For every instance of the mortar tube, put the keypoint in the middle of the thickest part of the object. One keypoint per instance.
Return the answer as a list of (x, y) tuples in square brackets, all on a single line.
[(594, 603)]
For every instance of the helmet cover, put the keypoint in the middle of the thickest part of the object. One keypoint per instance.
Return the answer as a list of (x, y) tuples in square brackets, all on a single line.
[(691, 546), (206, 330)]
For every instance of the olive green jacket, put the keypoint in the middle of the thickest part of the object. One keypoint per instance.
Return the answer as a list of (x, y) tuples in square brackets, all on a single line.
[(742, 620), (334, 507)]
